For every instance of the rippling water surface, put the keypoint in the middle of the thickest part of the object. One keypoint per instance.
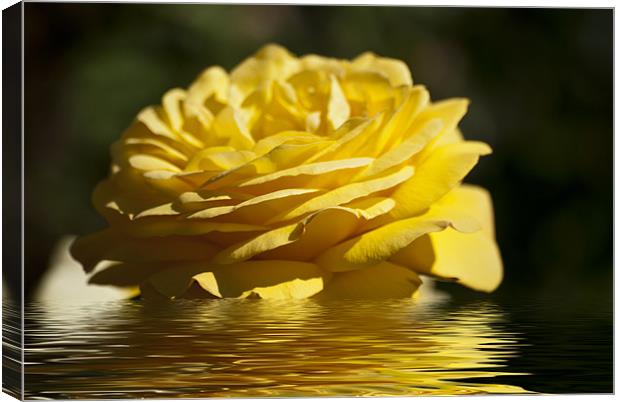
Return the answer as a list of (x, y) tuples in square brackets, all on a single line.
[(260, 348)]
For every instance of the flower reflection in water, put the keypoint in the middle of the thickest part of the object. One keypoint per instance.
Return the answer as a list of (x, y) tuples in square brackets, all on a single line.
[(225, 348)]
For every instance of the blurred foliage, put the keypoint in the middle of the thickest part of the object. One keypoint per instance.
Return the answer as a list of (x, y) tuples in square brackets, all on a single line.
[(540, 82)]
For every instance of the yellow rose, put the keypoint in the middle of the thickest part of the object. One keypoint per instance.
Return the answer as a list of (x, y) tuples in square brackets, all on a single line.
[(292, 178)]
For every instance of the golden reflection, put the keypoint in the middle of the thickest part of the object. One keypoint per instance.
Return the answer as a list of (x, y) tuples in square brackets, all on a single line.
[(254, 348)]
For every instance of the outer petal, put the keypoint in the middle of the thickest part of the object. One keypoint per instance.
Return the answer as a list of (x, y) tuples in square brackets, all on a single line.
[(450, 111), (404, 151), (108, 245), (269, 279), (167, 209), (125, 274), (193, 201), (476, 201), (149, 162), (160, 146), (472, 259), (305, 239), (287, 158), (173, 184), (258, 209), (338, 167), (218, 159), (350, 140), (266, 279), (267, 144), (263, 242), (348, 193), (125, 193), (148, 227), (382, 243), (152, 119), (381, 281), (323, 230), (436, 175)]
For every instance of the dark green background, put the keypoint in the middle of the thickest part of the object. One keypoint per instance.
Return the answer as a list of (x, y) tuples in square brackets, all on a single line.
[(540, 82)]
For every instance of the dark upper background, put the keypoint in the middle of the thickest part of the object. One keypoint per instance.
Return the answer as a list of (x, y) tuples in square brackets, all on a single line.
[(540, 82)]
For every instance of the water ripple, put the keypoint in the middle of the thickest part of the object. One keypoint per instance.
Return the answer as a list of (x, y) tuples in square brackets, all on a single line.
[(254, 348)]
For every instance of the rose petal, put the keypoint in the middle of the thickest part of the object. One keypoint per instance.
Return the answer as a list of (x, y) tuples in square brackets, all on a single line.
[(269, 63), (338, 110), (212, 82), (310, 169), (112, 245), (401, 123), (381, 281), (347, 193), (383, 242), (258, 209), (315, 233), (395, 70), (404, 151), (186, 227), (266, 279), (436, 175), (329, 227), (449, 111), (151, 118), (231, 125), (149, 162), (472, 259)]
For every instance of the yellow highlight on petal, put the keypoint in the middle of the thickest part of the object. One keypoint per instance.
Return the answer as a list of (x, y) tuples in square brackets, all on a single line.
[(338, 108), (348, 193)]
